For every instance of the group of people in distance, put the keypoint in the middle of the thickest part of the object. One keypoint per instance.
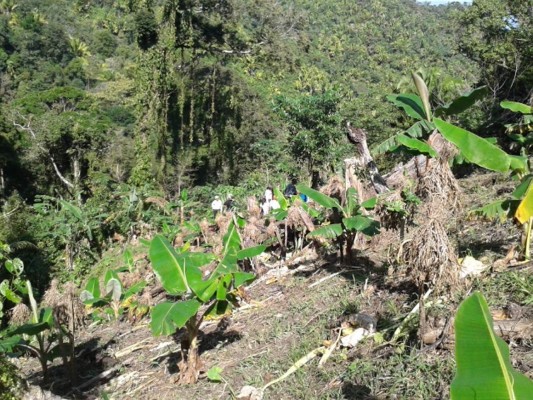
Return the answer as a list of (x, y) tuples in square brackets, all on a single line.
[(217, 206), (267, 203)]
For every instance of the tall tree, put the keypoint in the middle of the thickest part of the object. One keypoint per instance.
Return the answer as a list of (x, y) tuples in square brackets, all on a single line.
[(497, 34)]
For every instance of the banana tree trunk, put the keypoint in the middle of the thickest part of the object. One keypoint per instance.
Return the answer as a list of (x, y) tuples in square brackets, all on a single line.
[(190, 364)]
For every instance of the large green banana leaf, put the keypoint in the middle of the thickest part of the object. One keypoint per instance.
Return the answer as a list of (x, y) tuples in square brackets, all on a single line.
[(463, 102), (320, 198), (360, 223), (167, 317), (418, 145), (328, 231), (175, 275), (474, 148), (516, 107), (231, 240), (410, 103), (483, 367)]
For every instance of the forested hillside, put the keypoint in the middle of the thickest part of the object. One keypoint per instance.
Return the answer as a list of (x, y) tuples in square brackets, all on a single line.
[(102, 98), (122, 119)]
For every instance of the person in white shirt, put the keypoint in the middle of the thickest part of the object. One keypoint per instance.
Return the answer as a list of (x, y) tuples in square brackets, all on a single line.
[(216, 206), (274, 204)]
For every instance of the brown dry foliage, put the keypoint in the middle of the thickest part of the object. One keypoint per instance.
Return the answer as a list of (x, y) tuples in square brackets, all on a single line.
[(430, 257), (158, 201), (439, 189), (52, 297), (66, 305), (254, 232), (20, 314), (223, 221), (335, 188), (252, 207)]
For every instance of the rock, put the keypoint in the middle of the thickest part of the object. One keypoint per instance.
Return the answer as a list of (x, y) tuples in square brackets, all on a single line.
[(355, 337), (471, 266), (250, 393), (36, 393), (431, 336)]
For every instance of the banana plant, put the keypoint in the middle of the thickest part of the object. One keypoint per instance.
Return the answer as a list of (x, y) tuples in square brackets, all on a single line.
[(418, 107), (345, 221), (180, 274), (41, 335), (484, 369), (485, 154), (114, 300), (521, 132), (12, 287)]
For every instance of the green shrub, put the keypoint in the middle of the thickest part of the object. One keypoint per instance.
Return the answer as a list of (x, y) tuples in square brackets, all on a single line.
[(10, 382)]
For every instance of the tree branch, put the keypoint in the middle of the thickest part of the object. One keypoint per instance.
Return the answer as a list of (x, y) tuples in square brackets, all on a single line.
[(27, 128)]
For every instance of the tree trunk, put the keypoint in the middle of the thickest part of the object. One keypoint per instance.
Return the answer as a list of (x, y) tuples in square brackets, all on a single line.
[(190, 364), (363, 160)]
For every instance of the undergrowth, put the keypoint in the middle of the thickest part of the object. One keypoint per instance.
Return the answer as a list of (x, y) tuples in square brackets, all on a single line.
[(10, 382)]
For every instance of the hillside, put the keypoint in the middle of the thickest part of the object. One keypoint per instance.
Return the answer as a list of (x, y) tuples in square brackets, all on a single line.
[(195, 195), (289, 312)]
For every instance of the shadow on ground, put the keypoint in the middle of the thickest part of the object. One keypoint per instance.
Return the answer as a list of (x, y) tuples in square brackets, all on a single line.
[(91, 360), (351, 391)]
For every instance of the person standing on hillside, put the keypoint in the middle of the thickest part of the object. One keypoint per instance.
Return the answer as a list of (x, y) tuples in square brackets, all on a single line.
[(290, 190), (229, 204), (216, 206)]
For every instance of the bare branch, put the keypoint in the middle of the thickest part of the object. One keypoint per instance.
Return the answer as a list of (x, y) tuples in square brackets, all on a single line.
[(27, 128)]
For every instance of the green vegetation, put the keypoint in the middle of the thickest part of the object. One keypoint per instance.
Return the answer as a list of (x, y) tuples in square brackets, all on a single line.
[(10, 383), (121, 120), (180, 274), (483, 366)]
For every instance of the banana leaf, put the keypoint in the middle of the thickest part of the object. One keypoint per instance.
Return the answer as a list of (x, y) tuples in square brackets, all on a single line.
[(242, 277), (113, 289), (483, 367), (418, 145), (474, 148), (9, 343), (250, 252), (320, 198), (91, 291), (525, 209), (423, 92), (500, 209), (516, 107), (387, 145), (461, 103), (329, 231), (176, 278), (363, 224), (223, 286), (521, 189), (410, 103), (231, 240), (167, 317)]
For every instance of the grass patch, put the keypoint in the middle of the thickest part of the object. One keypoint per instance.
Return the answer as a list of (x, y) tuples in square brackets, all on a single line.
[(507, 287)]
